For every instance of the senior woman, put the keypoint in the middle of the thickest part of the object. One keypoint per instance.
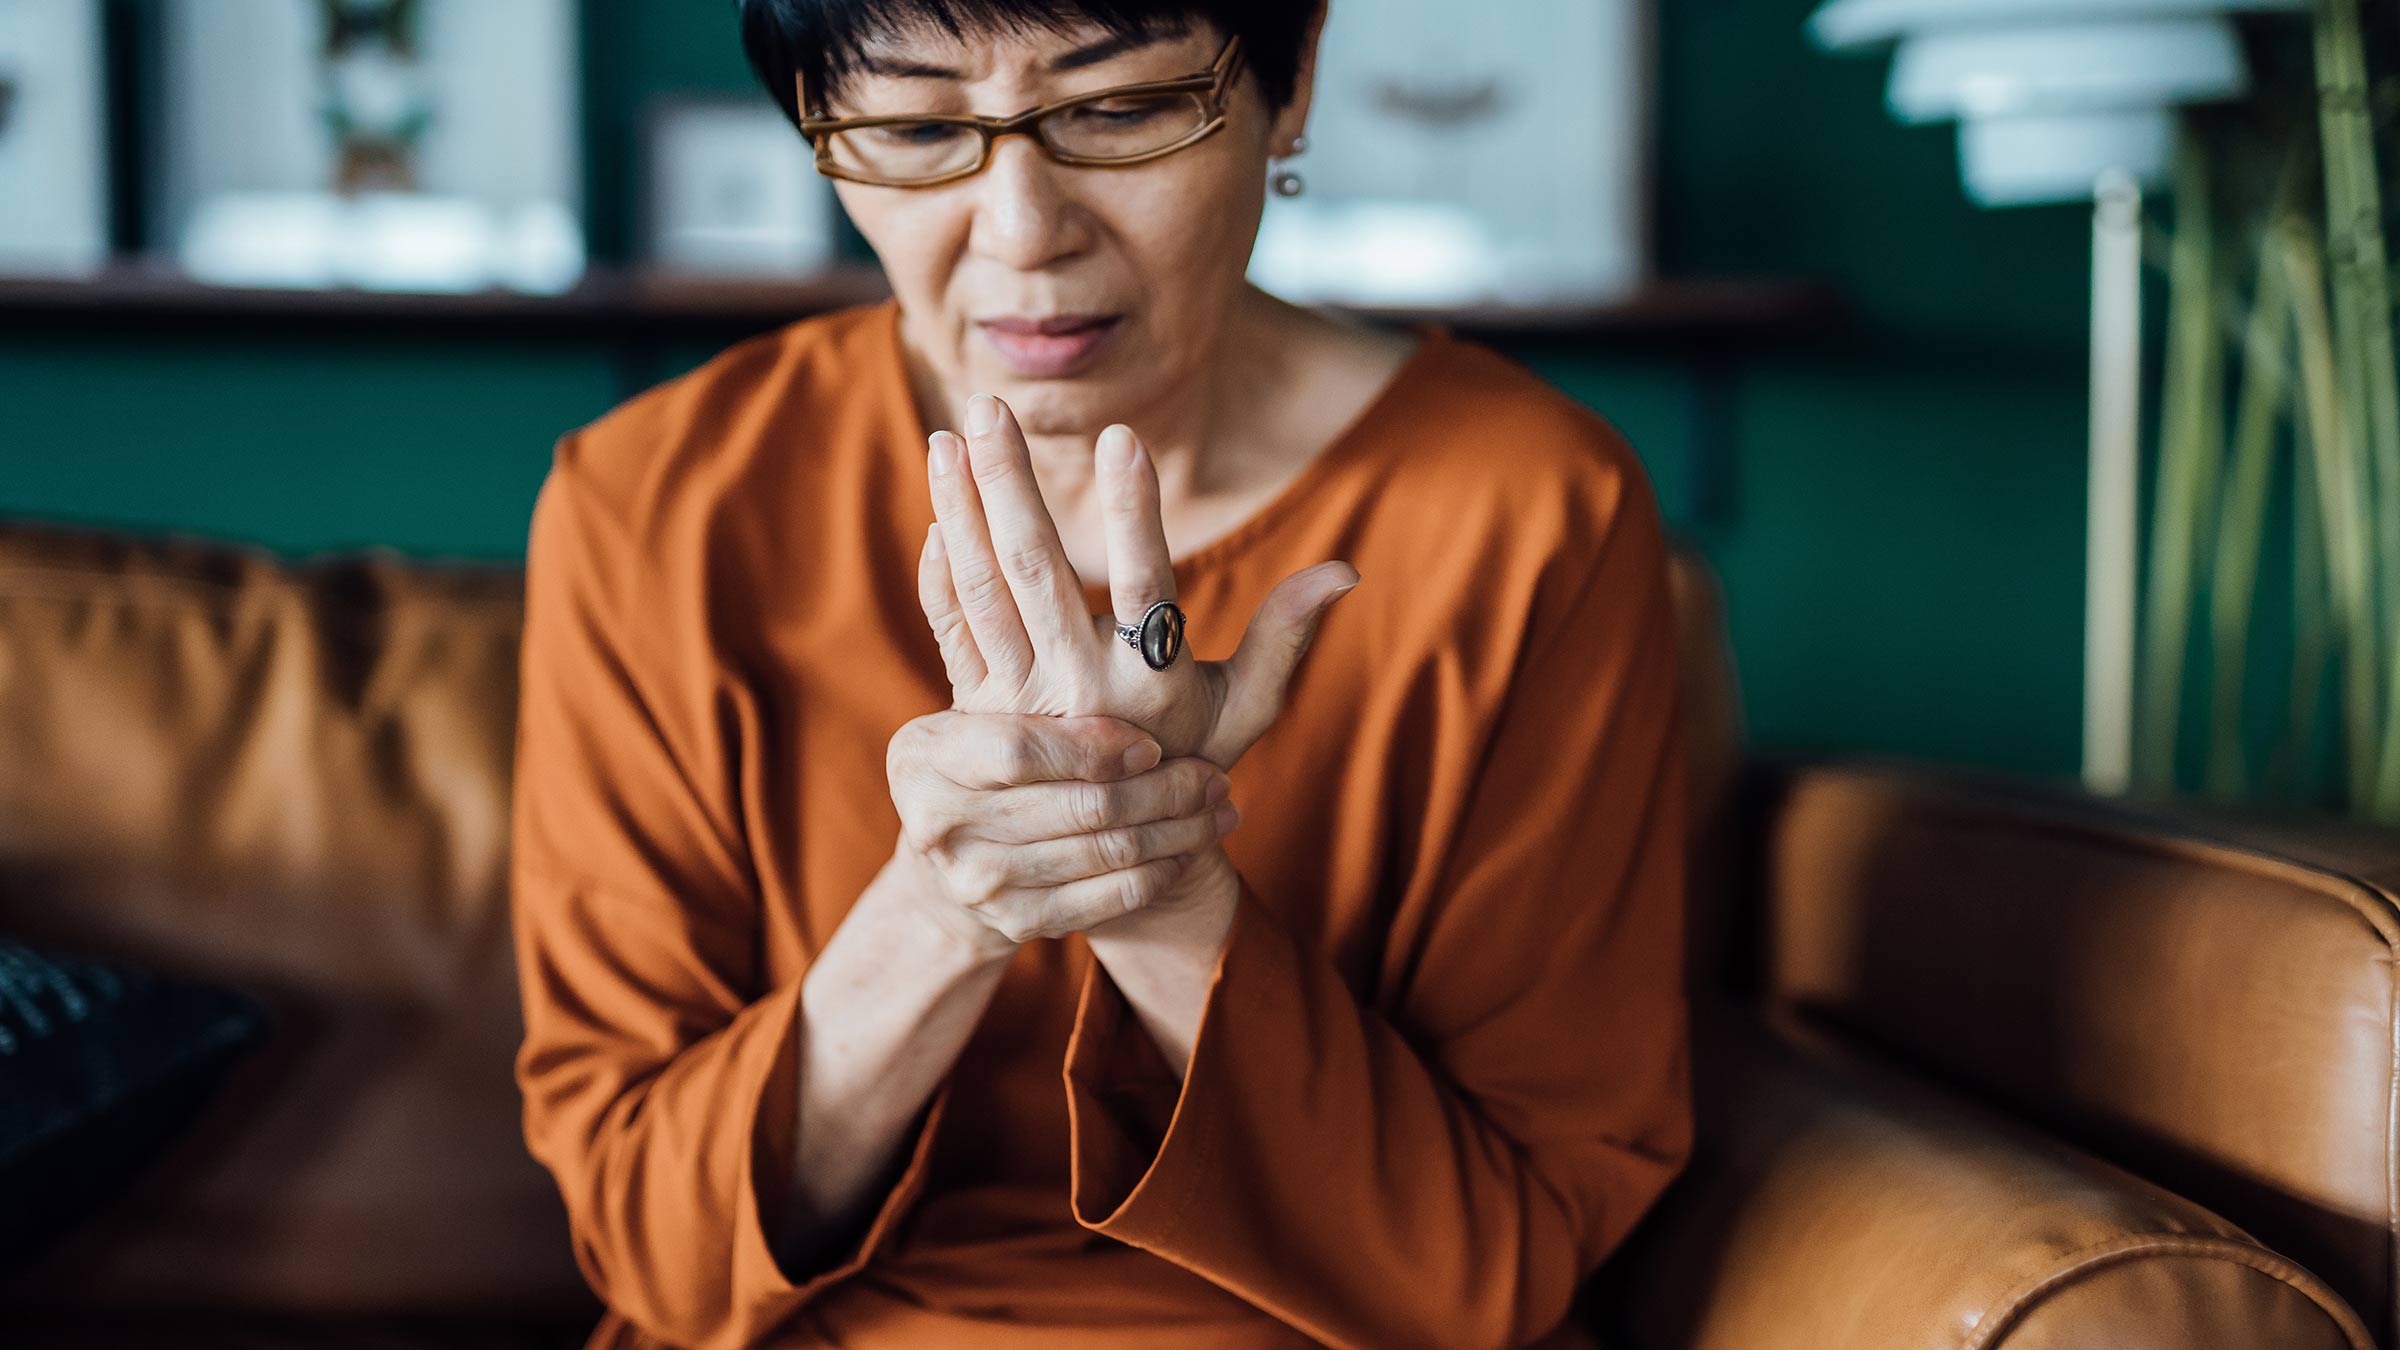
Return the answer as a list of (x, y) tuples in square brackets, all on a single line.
[(926, 939)]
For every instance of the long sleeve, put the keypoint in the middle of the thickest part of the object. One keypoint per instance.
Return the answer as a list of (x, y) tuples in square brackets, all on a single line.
[(1440, 1162), (658, 1073)]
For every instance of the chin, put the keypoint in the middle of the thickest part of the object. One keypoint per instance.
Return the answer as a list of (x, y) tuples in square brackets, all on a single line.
[(1068, 407)]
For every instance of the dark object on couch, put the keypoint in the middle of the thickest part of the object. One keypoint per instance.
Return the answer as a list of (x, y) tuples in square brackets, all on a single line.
[(101, 1068), (1984, 1063)]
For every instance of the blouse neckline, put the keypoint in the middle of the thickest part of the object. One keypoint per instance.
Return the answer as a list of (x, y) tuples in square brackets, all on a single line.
[(1353, 441)]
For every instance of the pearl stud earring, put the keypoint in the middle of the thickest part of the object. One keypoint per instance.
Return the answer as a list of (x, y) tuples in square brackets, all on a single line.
[(1286, 182)]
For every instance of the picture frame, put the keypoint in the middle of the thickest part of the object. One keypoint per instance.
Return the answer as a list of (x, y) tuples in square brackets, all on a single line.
[(417, 145), (1503, 161), (730, 188), (54, 189)]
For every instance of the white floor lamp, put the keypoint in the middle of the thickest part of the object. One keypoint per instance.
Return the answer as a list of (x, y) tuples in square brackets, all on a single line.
[(2059, 101)]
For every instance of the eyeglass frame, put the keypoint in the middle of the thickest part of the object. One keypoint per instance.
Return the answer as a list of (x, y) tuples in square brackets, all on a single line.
[(1214, 84)]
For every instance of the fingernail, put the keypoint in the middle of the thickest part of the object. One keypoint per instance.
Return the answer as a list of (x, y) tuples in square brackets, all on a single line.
[(1219, 788), (933, 539), (944, 452), (1143, 756), (1120, 446), (1229, 817), (983, 414)]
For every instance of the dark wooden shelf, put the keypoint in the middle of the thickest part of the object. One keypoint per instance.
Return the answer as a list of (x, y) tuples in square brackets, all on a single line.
[(642, 303)]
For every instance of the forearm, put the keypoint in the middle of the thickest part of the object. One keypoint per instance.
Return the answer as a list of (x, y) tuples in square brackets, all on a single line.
[(885, 1010), (1162, 958)]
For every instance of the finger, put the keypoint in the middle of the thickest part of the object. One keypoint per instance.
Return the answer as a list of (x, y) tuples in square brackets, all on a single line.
[(984, 751), (1278, 636), (1055, 862), (1037, 811), (1080, 905), (1024, 539), (960, 659), (983, 594), (1140, 573)]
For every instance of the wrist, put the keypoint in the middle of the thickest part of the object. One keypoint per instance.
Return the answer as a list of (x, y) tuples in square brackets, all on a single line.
[(910, 887), (1197, 912)]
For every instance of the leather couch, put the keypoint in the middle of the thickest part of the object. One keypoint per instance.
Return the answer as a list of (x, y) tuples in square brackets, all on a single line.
[(1983, 1062)]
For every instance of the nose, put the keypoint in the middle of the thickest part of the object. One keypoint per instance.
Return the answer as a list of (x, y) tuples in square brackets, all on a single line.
[(1025, 216)]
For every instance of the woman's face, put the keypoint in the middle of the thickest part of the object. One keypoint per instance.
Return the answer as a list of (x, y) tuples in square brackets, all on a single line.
[(1080, 295)]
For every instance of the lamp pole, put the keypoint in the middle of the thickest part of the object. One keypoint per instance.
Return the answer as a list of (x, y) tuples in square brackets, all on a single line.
[(2112, 520)]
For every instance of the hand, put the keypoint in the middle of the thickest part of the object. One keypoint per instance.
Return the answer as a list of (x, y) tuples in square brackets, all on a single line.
[(1008, 610), (1020, 827)]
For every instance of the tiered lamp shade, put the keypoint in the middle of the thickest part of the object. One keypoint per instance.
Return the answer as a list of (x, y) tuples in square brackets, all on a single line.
[(2049, 94)]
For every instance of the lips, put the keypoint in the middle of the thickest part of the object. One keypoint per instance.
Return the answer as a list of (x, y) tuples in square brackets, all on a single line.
[(1054, 325), (1049, 346)]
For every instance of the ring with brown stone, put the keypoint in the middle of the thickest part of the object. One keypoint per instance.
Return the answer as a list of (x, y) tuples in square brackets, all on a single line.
[(1158, 637)]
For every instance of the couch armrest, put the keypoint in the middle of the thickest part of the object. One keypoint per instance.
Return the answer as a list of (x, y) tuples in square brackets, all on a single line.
[(2204, 997), (1835, 1202)]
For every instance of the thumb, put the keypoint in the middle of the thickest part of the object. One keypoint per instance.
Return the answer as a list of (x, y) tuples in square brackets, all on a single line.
[(1279, 635)]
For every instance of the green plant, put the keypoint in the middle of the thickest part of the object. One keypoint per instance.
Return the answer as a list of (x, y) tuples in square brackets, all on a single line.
[(2277, 267)]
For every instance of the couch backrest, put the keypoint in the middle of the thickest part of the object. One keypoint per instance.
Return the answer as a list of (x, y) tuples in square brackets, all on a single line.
[(295, 778), (2205, 1000)]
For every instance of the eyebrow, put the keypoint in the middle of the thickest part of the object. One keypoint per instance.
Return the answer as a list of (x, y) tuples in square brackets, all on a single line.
[(1089, 54)]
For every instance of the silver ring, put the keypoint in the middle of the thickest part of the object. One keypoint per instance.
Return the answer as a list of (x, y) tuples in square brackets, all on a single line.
[(1158, 637)]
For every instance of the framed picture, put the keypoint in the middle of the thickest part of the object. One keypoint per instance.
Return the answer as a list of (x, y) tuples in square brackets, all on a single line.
[(1502, 160), (731, 188), (391, 144), (53, 139)]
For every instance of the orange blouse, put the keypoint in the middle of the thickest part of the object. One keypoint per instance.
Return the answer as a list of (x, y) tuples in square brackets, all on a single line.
[(1442, 1065)]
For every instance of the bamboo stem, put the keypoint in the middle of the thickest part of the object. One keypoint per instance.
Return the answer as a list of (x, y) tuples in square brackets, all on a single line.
[(2233, 596), (2341, 505), (2191, 443), (2289, 776), (2370, 382)]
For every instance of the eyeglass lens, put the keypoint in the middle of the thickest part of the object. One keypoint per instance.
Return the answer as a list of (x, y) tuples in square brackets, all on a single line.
[(1122, 127)]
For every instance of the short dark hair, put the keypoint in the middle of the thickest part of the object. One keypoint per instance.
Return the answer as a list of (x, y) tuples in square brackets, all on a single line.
[(820, 41)]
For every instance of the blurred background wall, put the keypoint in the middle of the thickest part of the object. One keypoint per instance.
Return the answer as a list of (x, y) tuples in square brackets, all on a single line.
[(1899, 531)]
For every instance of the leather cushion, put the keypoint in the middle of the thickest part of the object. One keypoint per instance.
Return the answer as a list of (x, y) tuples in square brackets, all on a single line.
[(1833, 1202), (292, 779), (2204, 998)]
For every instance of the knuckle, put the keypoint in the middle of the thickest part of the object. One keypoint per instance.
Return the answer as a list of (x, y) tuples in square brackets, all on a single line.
[(1088, 808), (1136, 890), (996, 464), (949, 628), (904, 749), (1115, 849), (980, 586), (1030, 564), (1020, 759)]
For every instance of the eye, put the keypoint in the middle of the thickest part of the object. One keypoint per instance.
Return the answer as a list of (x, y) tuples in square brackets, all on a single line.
[(1120, 112), (916, 135)]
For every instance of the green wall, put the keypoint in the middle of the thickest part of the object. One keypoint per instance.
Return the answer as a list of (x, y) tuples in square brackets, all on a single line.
[(1900, 535)]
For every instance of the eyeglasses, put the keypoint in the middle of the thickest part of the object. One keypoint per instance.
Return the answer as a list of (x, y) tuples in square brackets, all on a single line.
[(1129, 124)]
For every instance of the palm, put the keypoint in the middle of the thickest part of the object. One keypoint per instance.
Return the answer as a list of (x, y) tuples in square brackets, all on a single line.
[(1015, 634)]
